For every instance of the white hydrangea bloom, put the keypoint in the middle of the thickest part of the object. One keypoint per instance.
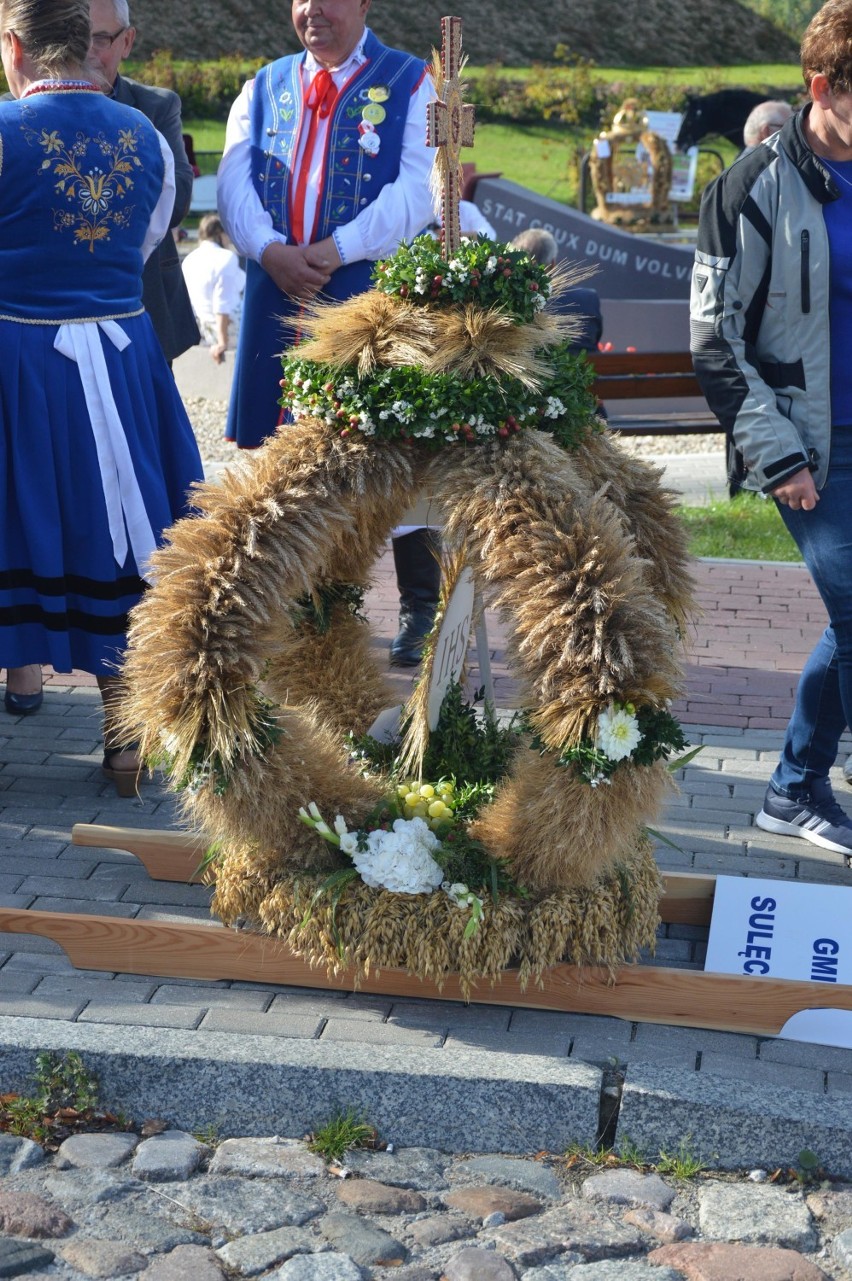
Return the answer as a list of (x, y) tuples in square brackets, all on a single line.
[(491, 266), (401, 860), (618, 733), (554, 407)]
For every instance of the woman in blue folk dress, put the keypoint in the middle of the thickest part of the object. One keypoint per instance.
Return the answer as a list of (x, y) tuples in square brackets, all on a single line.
[(96, 451)]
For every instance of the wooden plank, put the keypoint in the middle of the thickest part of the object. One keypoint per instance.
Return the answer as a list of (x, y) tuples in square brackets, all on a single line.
[(687, 898), (654, 387), (167, 856), (174, 856), (688, 998), (607, 363), (664, 424)]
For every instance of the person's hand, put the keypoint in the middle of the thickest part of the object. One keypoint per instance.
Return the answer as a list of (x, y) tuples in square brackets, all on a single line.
[(217, 353), (798, 492), (293, 274), (323, 255)]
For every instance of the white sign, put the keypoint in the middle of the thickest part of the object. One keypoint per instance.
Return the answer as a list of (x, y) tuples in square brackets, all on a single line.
[(450, 648), (781, 930)]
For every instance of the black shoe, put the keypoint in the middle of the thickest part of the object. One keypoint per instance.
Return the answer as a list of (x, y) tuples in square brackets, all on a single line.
[(815, 817), (418, 575), (407, 646), (23, 704)]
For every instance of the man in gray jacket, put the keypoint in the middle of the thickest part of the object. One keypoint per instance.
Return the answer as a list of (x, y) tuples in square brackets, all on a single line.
[(163, 289), (771, 315)]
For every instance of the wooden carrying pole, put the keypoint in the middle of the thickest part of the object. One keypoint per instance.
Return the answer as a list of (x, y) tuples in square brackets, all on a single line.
[(732, 1003)]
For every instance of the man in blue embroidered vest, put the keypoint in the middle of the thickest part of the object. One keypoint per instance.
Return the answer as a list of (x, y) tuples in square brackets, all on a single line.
[(325, 170)]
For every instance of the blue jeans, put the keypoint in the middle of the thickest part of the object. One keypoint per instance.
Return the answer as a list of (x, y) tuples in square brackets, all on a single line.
[(823, 706)]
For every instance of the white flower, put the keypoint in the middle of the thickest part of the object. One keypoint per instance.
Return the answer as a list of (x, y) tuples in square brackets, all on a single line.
[(491, 266), (349, 842), (340, 825), (618, 733), (401, 860), (554, 407)]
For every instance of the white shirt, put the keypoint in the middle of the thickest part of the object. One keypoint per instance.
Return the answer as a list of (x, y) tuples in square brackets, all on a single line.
[(215, 280), (401, 210)]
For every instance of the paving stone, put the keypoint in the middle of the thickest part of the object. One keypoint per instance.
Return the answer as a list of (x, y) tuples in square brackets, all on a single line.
[(251, 1255), (526, 1176), (841, 1249), (755, 1214), (363, 1242), (25, 1214), (472, 1264), (419, 1168), (18, 1154), (241, 1206), (629, 1187), (268, 1159), (479, 1203), (438, 1230), (194, 1261), (570, 1227), (706, 1261), (665, 1227), (319, 1267), (369, 1197), (95, 1151), (142, 1015), (78, 1190), (620, 1271), (560, 1269), (150, 1226), (102, 1258), (20, 1257), (168, 1157), (833, 1209)]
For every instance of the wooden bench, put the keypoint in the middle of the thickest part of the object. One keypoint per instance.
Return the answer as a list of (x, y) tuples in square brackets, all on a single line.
[(651, 376)]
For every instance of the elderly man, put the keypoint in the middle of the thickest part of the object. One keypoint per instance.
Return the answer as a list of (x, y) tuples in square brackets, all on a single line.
[(765, 120), (163, 290), (325, 170)]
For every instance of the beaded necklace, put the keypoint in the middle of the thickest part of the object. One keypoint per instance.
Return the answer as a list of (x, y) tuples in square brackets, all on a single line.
[(60, 86)]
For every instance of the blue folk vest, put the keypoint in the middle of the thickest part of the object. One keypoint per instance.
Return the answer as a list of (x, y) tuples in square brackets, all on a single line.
[(353, 178)]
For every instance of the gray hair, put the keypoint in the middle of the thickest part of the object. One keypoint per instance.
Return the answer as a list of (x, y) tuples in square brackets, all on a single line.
[(766, 119), (53, 33), (539, 244), (121, 9)]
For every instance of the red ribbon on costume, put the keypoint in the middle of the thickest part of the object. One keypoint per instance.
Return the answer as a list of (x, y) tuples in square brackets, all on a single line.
[(320, 100), (321, 94)]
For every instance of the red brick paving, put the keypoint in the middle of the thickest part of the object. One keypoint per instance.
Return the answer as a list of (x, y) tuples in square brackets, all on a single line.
[(757, 625)]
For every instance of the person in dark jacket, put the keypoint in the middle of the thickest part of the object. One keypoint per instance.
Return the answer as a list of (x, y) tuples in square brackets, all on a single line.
[(163, 289)]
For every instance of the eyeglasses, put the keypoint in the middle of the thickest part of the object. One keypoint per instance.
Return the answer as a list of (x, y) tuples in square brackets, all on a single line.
[(103, 40)]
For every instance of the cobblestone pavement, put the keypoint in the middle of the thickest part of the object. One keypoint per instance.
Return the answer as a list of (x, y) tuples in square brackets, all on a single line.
[(173, 1207)]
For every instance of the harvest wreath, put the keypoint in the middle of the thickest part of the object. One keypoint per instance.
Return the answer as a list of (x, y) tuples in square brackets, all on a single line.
[(250, 676)]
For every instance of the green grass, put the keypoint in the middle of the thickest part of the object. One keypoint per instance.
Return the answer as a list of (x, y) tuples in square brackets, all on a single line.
[(343, 1130), (743, 528)]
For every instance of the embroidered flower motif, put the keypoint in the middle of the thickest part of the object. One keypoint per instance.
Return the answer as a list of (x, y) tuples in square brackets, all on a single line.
[(94, 194)]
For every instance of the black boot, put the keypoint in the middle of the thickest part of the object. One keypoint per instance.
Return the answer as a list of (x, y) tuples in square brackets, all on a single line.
[(418, 576)]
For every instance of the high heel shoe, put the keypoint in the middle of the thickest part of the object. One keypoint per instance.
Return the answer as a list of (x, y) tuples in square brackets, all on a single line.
[(126, 779), (22, 704)]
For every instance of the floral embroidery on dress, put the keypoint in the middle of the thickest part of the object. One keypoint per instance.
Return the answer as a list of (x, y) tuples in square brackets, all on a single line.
[(96, 189)]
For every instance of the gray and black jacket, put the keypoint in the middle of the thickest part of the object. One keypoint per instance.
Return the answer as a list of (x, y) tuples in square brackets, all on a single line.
[(759, 308)]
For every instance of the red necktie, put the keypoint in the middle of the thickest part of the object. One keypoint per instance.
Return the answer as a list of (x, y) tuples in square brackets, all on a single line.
[(319, 100)]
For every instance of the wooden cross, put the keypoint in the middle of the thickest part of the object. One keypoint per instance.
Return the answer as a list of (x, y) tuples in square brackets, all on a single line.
[(449, 127)]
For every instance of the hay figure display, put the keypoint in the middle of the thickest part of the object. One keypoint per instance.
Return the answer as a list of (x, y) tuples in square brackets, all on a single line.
[(249, 673)]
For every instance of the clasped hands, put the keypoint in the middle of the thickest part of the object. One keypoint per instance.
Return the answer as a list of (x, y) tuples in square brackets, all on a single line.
[(301, 271)]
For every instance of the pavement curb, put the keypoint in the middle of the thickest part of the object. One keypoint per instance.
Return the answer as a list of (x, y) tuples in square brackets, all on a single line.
[(255, 1086), (733, 1124)]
